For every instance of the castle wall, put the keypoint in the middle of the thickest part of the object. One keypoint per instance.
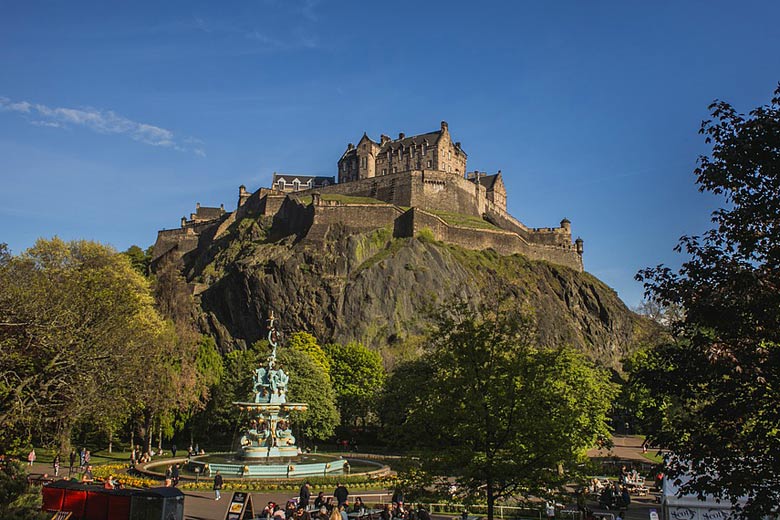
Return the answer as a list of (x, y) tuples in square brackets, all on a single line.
[(503, 242), (355, 217)]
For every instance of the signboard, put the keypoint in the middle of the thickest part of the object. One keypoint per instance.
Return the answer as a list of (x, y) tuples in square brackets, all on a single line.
[(240, 507)]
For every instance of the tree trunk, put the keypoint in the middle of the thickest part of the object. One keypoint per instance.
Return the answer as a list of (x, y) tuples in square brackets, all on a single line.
[(65, 432), (132, 435), (159, 438), (490, 499), (148, 432), (110, 442)]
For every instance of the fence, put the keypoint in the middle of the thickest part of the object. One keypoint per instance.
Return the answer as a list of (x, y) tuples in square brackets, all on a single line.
[(480, 510)]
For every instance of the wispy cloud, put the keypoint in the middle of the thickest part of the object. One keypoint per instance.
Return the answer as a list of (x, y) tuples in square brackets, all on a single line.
[(103, 122)]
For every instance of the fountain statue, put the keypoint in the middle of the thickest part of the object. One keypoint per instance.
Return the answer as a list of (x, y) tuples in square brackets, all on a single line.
[(266, 445), (268, 434)]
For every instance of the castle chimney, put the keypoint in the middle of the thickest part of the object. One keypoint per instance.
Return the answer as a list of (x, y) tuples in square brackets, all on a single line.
[(222, 207), (578, 244), (197, 205), (457, 145), (444, 126), (383, 138), (350, 146), (401, 135), (241, 190)]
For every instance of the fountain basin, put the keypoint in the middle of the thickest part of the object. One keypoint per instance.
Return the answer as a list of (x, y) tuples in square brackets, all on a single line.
[(305, 466)]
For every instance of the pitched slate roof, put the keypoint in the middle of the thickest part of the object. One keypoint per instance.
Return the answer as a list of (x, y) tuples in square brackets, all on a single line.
[(431, 138)]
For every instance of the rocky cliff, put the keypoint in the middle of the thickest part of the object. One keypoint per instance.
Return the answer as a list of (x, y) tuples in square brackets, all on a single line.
[(374, 288)]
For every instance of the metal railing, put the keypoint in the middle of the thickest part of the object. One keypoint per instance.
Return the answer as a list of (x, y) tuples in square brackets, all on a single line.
[(477, 510)]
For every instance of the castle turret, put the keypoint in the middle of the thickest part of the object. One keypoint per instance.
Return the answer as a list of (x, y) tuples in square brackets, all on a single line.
[(578, 245), (242, 195), (566, 225), (183, 221)]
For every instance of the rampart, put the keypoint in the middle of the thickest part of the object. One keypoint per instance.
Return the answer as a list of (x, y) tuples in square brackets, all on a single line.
[(409, 203), (501, 241)]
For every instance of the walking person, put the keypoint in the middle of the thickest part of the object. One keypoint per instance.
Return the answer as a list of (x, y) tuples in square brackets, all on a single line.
[(31, 457), (175, 475), (72, 460), (56, 465), (173, 450), (217, 485), (304, 495), (341, 493)]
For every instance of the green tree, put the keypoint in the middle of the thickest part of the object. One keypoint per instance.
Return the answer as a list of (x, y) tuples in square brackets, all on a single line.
[(80, 340), (358, 380), (302, 358), (715, 388), (139, 259), (220, 420), (494, 410), (307, 344), (18, 500)]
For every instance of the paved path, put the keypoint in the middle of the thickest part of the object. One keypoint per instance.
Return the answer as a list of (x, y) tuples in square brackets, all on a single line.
[(626, 447), (200, 505)]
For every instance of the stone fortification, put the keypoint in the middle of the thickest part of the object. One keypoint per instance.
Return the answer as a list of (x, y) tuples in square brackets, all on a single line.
[(408, 184)]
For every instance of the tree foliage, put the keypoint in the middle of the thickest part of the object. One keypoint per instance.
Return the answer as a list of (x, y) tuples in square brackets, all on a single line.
[(302, 358), (494, 409), (358, 379), (715, 388), (80, 340)]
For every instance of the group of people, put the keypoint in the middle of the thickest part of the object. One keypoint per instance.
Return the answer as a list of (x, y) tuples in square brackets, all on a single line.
[(172, 475)]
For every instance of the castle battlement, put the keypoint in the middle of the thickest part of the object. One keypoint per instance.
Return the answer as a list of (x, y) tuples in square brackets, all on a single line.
[(409, 183)]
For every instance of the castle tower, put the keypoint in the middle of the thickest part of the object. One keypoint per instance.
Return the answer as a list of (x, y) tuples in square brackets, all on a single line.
[(366, 153)]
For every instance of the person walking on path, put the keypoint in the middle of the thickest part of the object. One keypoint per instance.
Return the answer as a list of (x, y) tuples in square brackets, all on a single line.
[(72, 460), (217, 485), (304, 495), (56, 465), (175, 475), (341, 493), (31, 457), (173, 450)]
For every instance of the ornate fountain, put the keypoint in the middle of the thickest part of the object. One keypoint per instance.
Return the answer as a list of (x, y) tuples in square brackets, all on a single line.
[(266, 445), (269, 434)]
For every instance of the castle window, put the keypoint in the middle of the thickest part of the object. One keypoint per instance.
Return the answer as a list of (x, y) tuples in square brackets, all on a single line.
[(281, 184), (449, 155), (395, 170), (365, 161), (430, 163), (384, 171), (296, 185)]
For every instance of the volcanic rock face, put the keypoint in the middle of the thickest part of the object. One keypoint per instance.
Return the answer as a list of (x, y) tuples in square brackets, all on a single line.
[(378, 289)]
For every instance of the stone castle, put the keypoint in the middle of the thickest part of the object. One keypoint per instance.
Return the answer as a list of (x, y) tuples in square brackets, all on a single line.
[(408, 184)]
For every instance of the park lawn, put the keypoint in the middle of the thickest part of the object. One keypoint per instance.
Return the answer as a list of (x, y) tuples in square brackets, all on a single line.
[(653, 457), (97, 458)]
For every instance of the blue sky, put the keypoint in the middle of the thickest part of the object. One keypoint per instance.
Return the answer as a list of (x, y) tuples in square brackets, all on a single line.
[(117, 117)]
